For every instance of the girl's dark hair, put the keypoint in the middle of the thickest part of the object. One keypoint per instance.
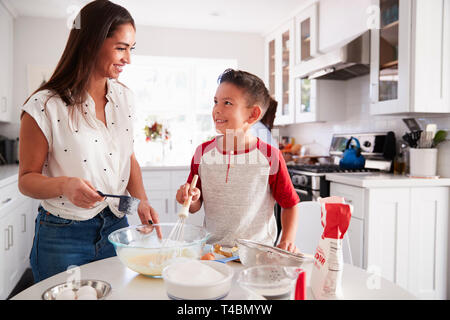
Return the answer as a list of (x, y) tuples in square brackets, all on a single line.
[(255, 91), (95, 22)]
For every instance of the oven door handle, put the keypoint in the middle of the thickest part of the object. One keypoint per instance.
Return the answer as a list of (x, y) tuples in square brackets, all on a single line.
[(301, 191)]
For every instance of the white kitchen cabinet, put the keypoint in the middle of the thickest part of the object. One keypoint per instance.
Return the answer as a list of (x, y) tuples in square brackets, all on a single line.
[(6, 256), (319, 100), (279, 57), (428, 242), (409, 66), (6, 56), (342, 20), (402, 234), (388, 233), (307, 34), (161, 187), (15, 230), (355, 233)]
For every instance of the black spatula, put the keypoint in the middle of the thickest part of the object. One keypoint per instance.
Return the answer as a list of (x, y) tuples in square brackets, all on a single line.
[(127, 204)]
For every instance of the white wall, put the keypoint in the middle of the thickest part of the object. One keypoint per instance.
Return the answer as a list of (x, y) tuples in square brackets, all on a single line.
[(41, 41)]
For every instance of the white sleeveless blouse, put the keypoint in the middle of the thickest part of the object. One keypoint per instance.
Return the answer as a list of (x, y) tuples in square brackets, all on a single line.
[(91, 151)]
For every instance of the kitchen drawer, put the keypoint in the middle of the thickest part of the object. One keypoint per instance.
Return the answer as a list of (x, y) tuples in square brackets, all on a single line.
[(156, 180), (352, 195), (9, 195)]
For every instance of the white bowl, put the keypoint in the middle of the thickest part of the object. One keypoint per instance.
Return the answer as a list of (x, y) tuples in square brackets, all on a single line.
[(195, 291)]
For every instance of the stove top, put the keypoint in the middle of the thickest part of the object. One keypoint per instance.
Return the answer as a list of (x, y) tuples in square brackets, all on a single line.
[(326, 168)]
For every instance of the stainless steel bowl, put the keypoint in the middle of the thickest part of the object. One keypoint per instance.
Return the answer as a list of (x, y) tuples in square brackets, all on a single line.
[(103, 288)]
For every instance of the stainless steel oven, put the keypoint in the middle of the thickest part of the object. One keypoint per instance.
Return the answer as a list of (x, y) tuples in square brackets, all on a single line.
[(309, 180)]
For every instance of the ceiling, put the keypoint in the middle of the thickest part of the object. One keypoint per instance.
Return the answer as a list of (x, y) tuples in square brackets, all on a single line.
[(255, 16)]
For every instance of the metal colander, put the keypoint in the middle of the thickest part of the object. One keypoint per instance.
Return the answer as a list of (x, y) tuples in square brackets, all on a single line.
[(253, 253)]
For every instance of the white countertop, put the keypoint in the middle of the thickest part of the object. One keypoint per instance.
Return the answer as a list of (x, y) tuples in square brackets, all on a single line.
[(165, 167), (129, 285), (8, 174), (384, 180)]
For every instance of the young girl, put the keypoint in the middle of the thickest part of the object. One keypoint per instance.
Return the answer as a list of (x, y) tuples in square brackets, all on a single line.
[(240, 176)]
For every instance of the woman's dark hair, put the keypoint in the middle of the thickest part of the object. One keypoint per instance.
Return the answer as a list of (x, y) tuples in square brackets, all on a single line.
[(255, 91), (95, 22)]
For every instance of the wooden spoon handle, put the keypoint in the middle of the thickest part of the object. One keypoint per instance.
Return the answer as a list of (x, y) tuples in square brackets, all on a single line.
[(187, 202)]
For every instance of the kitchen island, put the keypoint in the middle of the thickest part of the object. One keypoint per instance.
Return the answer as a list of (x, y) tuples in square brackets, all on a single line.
[(129, 285), (383, 180)]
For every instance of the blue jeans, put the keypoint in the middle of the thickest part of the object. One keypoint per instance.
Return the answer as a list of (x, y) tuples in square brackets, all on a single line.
[(59, 243)]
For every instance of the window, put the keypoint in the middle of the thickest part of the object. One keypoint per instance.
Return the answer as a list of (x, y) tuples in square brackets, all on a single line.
[(177, 93)]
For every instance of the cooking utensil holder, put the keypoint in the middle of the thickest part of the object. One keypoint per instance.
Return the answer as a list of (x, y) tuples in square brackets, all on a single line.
[(423, 162)]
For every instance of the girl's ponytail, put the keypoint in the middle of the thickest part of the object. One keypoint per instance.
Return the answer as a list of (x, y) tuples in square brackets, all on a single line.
[(255, 90), (269, 116)]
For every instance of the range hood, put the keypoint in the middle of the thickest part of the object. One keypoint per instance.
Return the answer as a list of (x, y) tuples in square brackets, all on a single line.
[(349, 61)]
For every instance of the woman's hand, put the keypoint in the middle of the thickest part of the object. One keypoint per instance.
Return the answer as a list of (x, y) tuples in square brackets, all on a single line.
[(288, 246), (149, 216), (184, 192), (81, 192), (147, 213)]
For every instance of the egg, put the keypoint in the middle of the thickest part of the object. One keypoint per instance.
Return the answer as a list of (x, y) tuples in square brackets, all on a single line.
[(208, 256), (86, 290), (87, 296), (66, 294)]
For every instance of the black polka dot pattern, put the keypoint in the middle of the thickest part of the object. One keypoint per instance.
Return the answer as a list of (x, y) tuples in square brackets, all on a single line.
[(81, 148)]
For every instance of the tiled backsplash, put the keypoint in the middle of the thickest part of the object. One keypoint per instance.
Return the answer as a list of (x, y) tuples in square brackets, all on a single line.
[(358, 120)]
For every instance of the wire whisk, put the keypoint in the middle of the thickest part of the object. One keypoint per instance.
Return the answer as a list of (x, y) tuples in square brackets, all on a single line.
[(177, 233)]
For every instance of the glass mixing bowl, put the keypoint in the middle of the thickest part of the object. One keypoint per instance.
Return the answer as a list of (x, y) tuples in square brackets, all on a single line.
[(142, 249)]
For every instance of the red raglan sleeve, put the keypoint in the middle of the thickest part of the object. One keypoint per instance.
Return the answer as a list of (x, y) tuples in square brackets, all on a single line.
[(194, 171), (280, 181)]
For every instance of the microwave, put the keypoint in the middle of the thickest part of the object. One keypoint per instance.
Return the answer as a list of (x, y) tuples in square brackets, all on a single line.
[(9, 151)]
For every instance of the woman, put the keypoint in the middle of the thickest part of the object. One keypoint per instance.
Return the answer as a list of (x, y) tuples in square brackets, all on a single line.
[(76, 138)]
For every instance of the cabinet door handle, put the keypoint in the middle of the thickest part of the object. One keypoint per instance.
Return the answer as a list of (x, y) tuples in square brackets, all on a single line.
[(301, 191), (4, 105), (167, 205), (6, 239), (11, 236), (24, 228), (6, 200)]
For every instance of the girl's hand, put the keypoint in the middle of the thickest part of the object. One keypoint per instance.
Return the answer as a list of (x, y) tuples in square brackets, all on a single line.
[(81, 193), (183, 194), (288, 246)]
